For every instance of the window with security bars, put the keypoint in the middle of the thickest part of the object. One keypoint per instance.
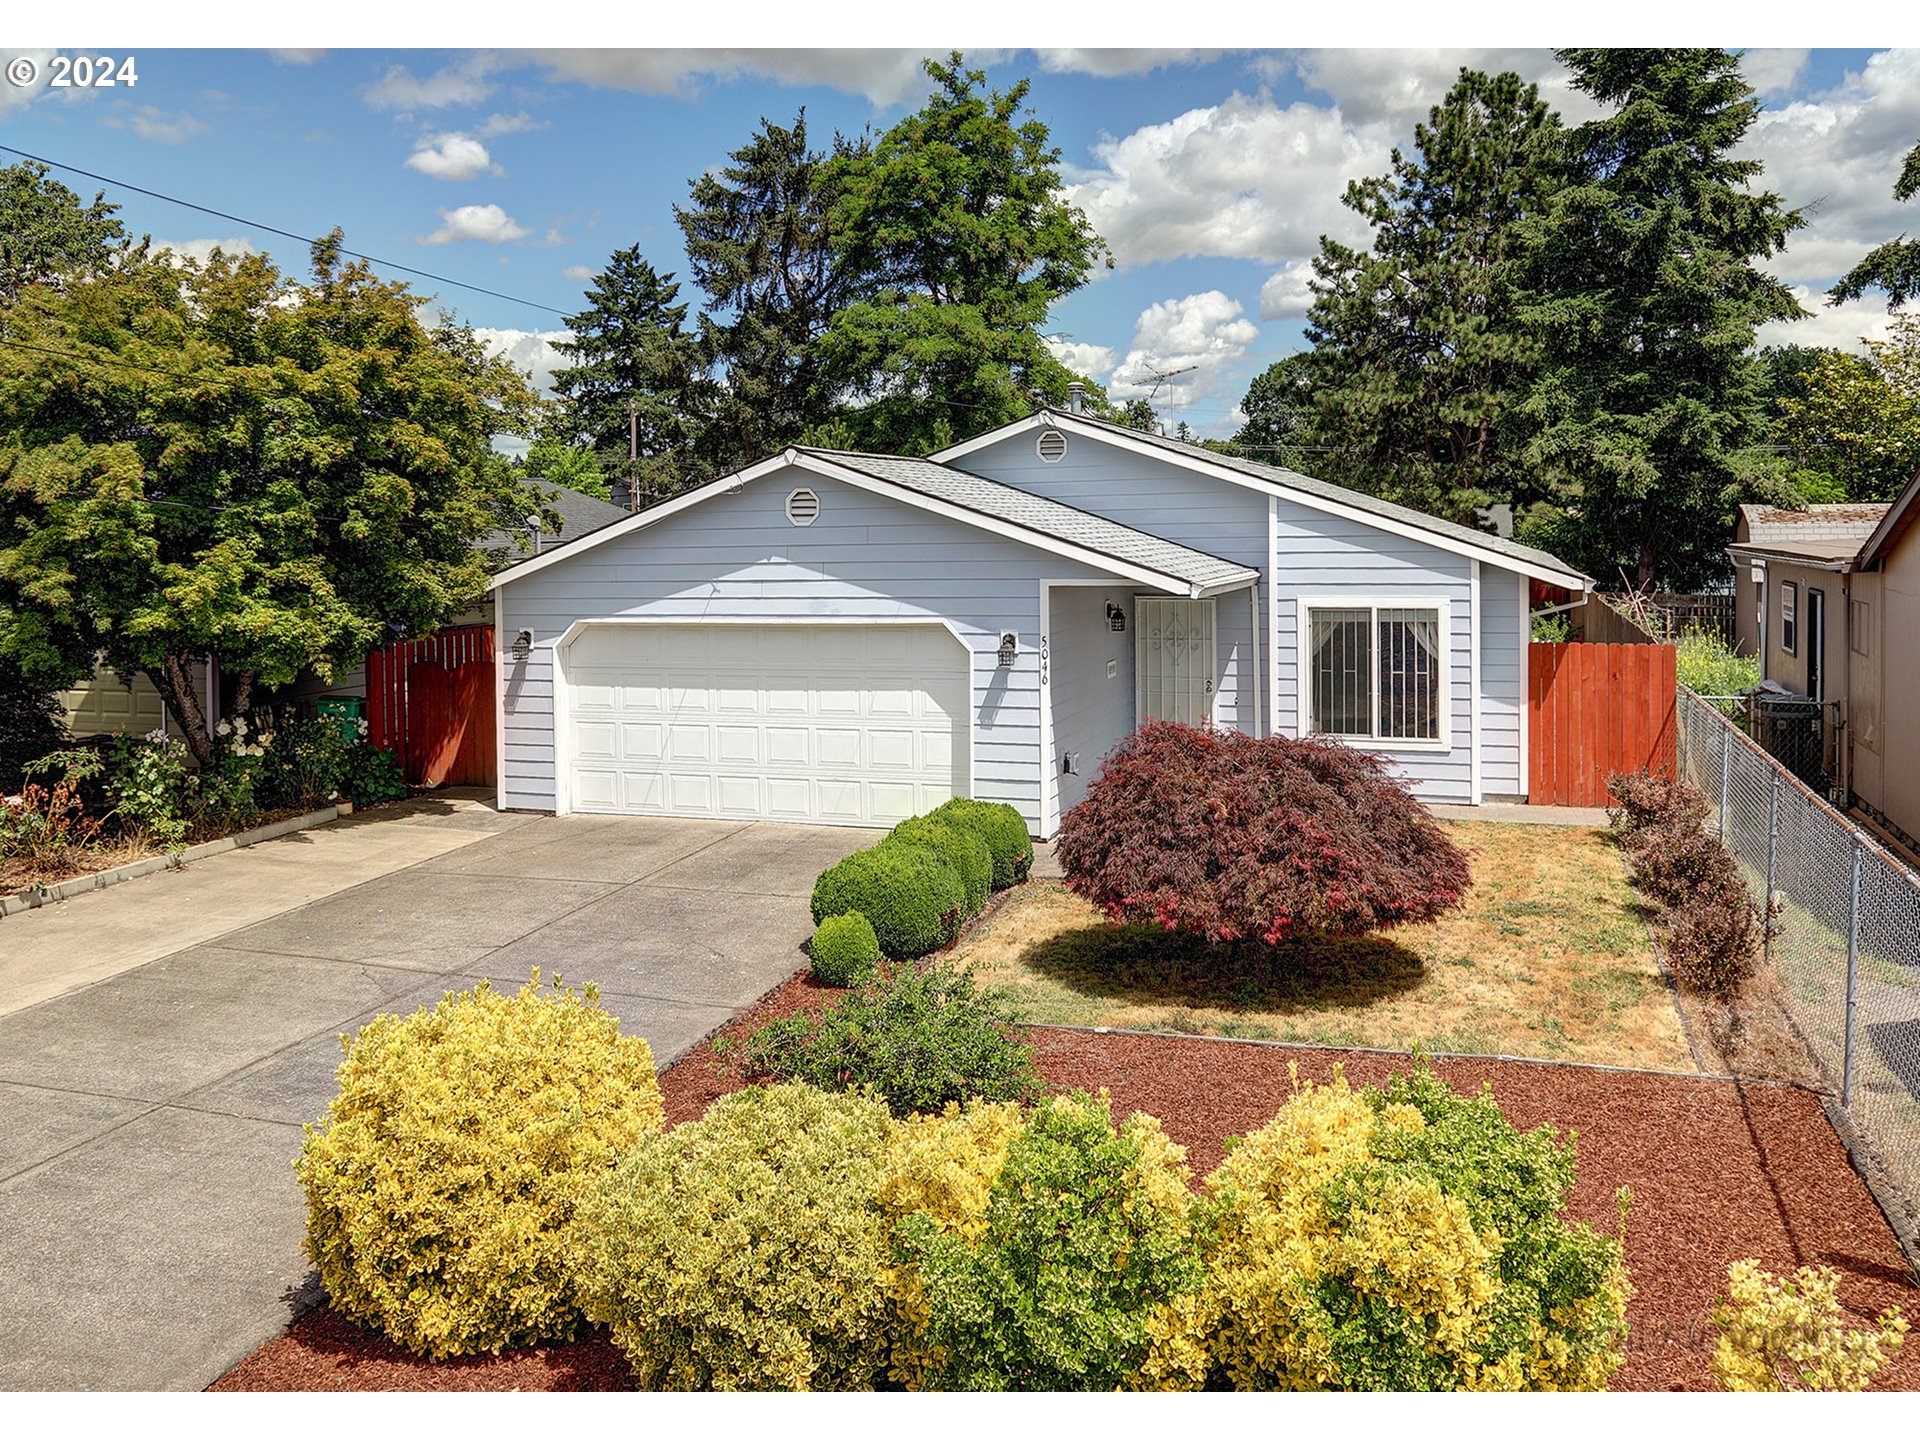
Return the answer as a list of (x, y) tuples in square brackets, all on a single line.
[(1375, 671)]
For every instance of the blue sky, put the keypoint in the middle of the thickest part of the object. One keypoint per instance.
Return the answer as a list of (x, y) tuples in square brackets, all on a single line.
[(1210, 173)]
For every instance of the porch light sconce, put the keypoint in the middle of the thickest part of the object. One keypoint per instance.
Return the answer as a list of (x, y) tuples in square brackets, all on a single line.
[(523, 645), (1116, 617), (1009, 647)]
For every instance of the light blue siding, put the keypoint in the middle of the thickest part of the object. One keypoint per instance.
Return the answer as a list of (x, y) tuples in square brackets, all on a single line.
[(737, 556)]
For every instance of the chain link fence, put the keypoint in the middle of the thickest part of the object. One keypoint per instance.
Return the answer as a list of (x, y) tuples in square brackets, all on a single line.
[(1846, 956)]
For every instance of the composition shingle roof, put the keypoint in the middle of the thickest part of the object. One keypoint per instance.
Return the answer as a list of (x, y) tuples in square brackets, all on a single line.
[(1767, 524), (1325, 489), (1046, 517)]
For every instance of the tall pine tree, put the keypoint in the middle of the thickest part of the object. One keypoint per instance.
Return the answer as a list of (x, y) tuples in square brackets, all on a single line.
[(631, 347), (1895, 266), (760, 243), (1648, 302), (958, 220), (1420, 355)]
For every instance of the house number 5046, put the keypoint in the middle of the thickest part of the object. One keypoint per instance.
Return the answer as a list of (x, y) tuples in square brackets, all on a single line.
[(1043, 659)]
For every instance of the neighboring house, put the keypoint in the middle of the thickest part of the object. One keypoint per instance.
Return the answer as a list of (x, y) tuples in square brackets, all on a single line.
[(848, 638), (1779, 558), (1840, 613)]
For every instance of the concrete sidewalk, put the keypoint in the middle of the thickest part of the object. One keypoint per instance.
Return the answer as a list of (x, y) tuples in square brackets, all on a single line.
[(151, 1103)]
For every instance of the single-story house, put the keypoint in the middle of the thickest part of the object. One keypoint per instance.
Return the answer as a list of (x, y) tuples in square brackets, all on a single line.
[(1779, 559), (848, 638)]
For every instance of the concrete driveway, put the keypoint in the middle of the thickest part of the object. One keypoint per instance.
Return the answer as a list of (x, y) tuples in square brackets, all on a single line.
[(150, 1114)]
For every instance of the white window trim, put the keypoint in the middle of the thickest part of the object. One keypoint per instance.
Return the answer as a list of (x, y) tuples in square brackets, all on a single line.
[(1303, 640)]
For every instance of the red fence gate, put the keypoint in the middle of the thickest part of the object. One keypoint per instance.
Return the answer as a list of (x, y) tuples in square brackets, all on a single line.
[(431, 702), (1593, 710)]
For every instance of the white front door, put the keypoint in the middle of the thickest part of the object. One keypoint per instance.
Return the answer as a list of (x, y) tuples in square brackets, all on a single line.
[(1174, 660), (842, 724)]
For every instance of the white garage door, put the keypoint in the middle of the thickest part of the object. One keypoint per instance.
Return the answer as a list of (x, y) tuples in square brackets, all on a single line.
[(846, 724)]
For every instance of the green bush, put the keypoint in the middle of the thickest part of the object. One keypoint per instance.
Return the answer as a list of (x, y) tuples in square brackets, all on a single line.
[(32, 723), (303, 758), (920, 1041), (1707, 665), (1084, 1241), (149, 784), (911, 896), (1403, 1238), (961, 848), (442, 1184), (371, 775), (747, 1250), (844, 950), (1003, 830)]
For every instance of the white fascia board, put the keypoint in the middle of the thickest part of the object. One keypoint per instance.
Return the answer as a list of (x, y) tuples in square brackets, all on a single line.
[(991, 437), (1198, 461), (643, 519)]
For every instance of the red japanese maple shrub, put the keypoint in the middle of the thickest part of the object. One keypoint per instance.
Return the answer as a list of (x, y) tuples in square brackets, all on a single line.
[(1218, 834)]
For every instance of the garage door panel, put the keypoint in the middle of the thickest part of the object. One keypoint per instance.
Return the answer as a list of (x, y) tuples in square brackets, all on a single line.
[(849, 724)]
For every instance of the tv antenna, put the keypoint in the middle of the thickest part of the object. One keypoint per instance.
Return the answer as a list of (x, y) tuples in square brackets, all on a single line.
[(1161, 377)]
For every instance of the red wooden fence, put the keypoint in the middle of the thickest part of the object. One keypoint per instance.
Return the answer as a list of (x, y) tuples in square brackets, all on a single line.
[(431, 702), (1593, 710)]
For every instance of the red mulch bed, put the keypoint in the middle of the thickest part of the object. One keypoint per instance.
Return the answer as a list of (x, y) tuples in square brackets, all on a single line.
[(1718, 1170)]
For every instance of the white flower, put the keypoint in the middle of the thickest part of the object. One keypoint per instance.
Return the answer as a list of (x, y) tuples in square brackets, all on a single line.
[(362, 726), (223, 729), (240, 723)]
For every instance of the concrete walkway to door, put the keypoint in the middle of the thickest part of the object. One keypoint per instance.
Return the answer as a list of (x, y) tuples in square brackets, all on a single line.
[(151, 1111)]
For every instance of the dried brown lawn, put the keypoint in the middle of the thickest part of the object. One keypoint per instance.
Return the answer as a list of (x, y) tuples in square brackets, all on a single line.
[(1549, 958)]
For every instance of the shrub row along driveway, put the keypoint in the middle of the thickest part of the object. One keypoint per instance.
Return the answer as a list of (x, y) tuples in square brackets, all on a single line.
[(148, 1120)]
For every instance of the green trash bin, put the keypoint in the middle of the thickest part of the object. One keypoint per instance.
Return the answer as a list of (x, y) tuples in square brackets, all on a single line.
[(346, 712)]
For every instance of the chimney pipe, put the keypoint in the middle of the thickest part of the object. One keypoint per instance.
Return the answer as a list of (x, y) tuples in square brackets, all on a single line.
[(1076, 397)]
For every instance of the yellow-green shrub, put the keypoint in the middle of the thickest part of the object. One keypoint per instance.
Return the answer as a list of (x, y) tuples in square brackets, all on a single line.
[(1404, 1239), (1780, 1334), (1054, 1284), (747, 1250), (442, 1182)]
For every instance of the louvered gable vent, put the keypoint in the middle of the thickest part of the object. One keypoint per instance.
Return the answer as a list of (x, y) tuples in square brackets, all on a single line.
[(1052, 446), (803, 507)]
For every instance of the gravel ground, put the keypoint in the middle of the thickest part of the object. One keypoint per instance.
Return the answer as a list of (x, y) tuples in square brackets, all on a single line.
[(1719, 1170)]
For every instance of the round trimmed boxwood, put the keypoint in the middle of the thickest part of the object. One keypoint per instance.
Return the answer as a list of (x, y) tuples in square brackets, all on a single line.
[(1003, 830), (910, 895), (844, 949), (961, 848)]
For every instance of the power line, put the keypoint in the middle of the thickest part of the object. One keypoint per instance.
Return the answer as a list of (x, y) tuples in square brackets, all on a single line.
[(276, 230)]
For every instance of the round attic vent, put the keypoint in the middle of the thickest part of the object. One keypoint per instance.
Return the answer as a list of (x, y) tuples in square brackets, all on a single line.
[(803, 507), (1052, 446)]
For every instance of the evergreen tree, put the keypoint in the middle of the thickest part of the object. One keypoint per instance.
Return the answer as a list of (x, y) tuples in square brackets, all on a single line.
[(956, 221), (1895, 266), (759, 242), (1649, 395), (1420, 355), (631, 348), (46, 232)]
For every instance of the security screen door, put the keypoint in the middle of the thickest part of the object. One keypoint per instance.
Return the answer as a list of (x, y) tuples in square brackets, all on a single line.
[(1174, 660)]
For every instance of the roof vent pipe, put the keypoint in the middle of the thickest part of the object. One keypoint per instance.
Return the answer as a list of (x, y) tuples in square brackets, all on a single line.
[(1076, 397)]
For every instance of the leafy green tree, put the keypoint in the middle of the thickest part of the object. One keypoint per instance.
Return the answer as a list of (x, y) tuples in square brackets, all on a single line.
[(1895, 266), (1421, 357), (631, 350), (759, 239), (1858, 423), (573, 466), (1279, 428), (46, 232), (1649, 406), (957, 224), (218, 461)]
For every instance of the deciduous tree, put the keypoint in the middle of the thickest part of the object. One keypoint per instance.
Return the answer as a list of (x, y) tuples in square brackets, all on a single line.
[(46, 232)]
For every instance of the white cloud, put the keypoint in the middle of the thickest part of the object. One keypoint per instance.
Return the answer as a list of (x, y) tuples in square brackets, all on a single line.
[(1202, 334), (1246, 179), (488, 223), (507, 125), (296, 57), (202, 250), (581, 273), (531, 350), (1772, 72), (462, 83), (452, 157), (1287, 293), (160, 126), (884, 77), (1091, 361), (1399, 87), (1840, 326), (1109, 64)]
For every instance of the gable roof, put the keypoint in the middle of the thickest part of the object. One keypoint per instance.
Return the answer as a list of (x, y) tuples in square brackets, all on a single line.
[(579, 515), (1769, 524), (1307, 490), (971, 499), (1892, 523)]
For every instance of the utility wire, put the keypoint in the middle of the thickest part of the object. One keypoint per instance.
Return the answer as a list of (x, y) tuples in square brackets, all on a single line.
[(276, 230)]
